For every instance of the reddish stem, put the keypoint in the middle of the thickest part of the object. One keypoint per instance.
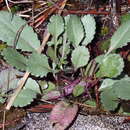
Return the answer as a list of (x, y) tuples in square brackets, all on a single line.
[(85, 12)]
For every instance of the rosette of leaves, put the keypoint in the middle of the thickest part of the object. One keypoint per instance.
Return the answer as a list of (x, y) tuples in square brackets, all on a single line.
[(68, 31)]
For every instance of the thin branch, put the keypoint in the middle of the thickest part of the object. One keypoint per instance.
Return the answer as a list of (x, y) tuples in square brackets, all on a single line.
[(7, 4)]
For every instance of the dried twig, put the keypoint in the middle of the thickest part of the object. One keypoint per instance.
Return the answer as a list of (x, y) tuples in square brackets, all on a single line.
[(7, 4)]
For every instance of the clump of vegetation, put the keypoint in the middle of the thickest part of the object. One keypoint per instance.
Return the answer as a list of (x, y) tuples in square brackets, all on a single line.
[(66, 69)]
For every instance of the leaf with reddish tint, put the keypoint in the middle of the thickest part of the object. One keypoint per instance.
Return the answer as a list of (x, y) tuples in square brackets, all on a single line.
[(63, 114), (51, 95)]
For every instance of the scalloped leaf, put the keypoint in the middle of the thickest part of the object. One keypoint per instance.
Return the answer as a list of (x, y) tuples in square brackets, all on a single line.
[(38, 64), (75, 31), (121, 37), (112, 65), (80, 56), (8, 79), (24, 98), (90, 27), (9, 27), (27, 94), (56, 25), (14, 58), (109, 99)]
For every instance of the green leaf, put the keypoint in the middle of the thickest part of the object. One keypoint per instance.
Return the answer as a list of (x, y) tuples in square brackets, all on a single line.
[(123, 89), (125, 18), (112, 65), (66, 18), (112, 90), (109, 99), (80, 56), (56, 25), (78, 90), (120, 37), (24, 98), (9, 27), (27, 94), (51, 53), (90, 27), (32, 85), (38, 64), (75, 31), (99, 59), (52, 42), (108, 94), (49, 88), (104, 46), (107, 83), (14, 58), (91, 103)]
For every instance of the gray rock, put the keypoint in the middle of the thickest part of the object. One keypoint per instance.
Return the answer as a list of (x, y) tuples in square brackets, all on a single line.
[(40, 121)]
